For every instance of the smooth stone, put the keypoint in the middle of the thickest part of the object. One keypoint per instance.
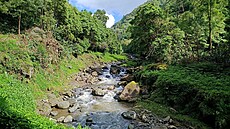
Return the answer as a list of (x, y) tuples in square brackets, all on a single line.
[(54, 113), (68, 119), (129, 115), (166, 119), (63, 104)]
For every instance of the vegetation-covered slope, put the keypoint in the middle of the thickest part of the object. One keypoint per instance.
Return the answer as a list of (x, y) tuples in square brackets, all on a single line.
[(78, 31), (199, 90), (181, 33), (28, 68)]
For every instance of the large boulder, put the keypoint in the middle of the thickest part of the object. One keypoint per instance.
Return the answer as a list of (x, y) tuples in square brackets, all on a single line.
[(130, 92), (63, 104)]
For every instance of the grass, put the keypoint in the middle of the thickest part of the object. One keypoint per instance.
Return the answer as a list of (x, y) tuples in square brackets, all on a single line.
[(18, 93), (17, 107)]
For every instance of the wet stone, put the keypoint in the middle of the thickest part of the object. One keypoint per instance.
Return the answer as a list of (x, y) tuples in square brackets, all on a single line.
[(129, 115)]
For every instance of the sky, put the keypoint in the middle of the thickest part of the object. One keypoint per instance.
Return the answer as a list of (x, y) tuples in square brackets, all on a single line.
[(115, 9)]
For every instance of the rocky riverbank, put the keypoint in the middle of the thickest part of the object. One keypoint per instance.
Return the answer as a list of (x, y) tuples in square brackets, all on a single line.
[(103, 97)]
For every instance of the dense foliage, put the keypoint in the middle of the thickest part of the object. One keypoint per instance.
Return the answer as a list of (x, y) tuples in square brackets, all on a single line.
[(78, 32), (179, 31), (200, 90)]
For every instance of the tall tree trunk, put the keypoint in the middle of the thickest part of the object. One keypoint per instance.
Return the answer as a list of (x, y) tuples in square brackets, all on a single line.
[(209, 25), (19, 24)]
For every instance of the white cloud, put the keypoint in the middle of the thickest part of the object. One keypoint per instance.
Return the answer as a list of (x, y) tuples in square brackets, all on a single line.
[(111, 21), (120, 6)]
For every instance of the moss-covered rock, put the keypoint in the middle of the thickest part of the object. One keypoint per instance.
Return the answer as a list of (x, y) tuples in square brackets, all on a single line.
[(130, 92)]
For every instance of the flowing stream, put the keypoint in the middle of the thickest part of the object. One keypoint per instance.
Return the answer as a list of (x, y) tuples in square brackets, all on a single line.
[(102, 112), (96, 106)]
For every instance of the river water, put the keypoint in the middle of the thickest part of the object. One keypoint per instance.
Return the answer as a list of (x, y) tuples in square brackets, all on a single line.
[(102, 112)]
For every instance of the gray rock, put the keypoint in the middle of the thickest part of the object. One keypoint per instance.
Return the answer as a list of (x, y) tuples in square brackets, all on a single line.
[(172, 127), (44, 108), (72, 101), (129, 115), (98, 92), (74, 108), (63, 104), (68, 119), (170, 121), (61, 119), (53, 100), (54, 113), (166, 119)]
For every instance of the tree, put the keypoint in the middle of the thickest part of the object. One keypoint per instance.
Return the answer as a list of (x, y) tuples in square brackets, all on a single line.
[(23, 10), (101, 16)]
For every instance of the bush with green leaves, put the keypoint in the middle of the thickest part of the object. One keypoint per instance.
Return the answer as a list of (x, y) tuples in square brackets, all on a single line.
[(200, 90)]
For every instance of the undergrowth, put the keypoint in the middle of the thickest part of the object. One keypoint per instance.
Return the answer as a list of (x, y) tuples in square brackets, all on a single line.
[(201, 90)]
